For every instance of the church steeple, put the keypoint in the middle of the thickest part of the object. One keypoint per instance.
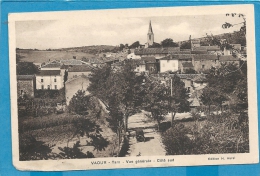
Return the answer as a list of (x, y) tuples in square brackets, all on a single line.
[(150, 35)]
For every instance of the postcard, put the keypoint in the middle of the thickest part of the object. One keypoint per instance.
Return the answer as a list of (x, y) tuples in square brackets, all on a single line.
[(133, 88)]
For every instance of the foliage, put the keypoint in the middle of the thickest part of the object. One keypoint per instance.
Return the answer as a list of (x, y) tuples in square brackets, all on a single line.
[(219, 134), (243, 23), (190, 71), (156, 100), (155, 45), (74, 152), (186, 45), (26, 68), (98, 78), (135, 45), (31, 149), (79, 103), (168, 42)]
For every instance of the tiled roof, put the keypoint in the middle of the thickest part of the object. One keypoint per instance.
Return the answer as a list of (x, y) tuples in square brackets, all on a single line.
[(71, 62), (149, 59), (64, 66), (170, 57), (25, 77), (52, 65), (180, 52), (187, 64), (199, 52), (139, 62), (206, 48), (182, 56), (80, 68), (205, 57), (48, 73), (144, 51), (228, 58)]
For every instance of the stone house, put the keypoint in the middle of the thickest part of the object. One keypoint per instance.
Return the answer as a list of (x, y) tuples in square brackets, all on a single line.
[(203, 62), (78, 70), (184, 66), (25, 85)]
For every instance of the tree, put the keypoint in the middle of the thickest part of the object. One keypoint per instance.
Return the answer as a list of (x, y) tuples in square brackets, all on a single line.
[(79, 103), (243, 23), (186, 45), (155, 45), (190, 71), (26, 68), (98, 78), (156, 100), (169, 43), (121, 47), (135, 45), (124, 85), (178, 101)]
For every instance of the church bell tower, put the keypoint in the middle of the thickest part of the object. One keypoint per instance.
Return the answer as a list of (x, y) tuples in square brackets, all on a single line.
[(150, 35)]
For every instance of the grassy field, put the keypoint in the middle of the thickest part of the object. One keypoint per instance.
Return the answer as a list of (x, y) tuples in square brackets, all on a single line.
[(44, 56)]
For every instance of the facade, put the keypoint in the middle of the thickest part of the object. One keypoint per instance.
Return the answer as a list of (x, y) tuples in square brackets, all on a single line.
[(184, 66), (229, 59), (156, 52), (169, 63), (75, 84), (203, 62), (25, 85), (140, 66), (49, 79), (78, 70)]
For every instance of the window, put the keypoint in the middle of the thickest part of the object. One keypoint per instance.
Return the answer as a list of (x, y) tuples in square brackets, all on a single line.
[(203, 66), (49, 87), (42, 87), (55, 86), (149, 37), (55, 80), (41, 80), (21, 92)]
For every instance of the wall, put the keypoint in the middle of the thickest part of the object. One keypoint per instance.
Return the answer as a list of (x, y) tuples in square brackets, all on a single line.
[(76, 74), (168, 65), (198, 64), (72, 86), (141, 68), (49, 80), (25, 87)]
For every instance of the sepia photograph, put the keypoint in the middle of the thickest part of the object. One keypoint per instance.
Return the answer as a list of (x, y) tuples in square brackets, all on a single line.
[(129, 88)]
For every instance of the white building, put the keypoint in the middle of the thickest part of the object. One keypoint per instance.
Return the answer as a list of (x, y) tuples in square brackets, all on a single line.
[(49, 79), (168, 63), (79, 70)]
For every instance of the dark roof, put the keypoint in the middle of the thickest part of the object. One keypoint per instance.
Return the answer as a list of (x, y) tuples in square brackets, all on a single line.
[(170, 57), (80, 68), (205, 57), (199, 52), (228, 58), (149, 59), (139, 62), (25, 77), (144, 51), (48, 72), (52, 65), (64, 66), (187, 64), (207, 48), (180, 52), (182, 56), (71, 62)]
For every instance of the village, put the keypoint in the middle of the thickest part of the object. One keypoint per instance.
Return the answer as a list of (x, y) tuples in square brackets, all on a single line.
[(49, 91)]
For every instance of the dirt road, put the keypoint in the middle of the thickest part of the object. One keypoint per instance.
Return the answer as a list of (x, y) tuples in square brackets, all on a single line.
[(153, 145)]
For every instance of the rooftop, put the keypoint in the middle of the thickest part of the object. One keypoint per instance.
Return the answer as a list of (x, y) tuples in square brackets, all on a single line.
[(228, 58), (52, 65), (205, 57), (207, 48), (148, 59), (49, 73), (80, 68), (144, 51), (71, 62)]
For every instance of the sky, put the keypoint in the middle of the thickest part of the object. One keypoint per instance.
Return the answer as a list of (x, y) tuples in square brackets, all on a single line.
[(86, 30)]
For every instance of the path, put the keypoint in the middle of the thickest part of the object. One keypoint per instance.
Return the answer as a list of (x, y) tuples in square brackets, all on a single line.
[(153, 144)]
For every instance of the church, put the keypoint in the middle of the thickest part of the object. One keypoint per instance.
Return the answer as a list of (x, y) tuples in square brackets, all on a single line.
[(150, 36)]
